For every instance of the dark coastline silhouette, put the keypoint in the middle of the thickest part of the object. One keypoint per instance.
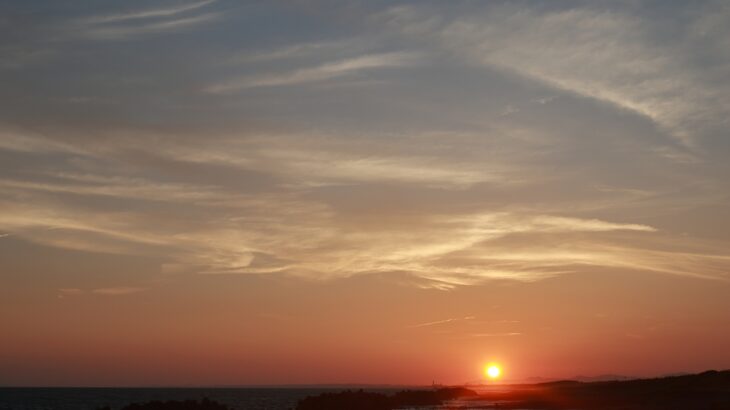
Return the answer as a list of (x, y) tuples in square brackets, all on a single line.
[(705, 391), (362, 400), (204, 404)]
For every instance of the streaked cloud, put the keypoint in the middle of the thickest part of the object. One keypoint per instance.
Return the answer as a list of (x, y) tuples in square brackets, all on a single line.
[(444, 321), (65, 292), (320, 73), (493, 142), (124, 32), (112, 291), (293, 51), (21, 142), (135, 23), (506, 334), (145, 14), (609, 55), (117, 291)]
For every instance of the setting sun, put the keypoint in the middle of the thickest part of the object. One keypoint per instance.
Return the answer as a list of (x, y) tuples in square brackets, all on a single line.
[(493, 371), (423, 205)]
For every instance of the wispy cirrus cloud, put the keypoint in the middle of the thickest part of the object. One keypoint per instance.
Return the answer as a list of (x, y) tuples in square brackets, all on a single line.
[(124, 32), (322, 167), (112, 291), (609, 55), (504, 334), (118, 291), (136, 23), (486, 163), (146, 14), (294, 51), (11, 140), (319, 73), (444, 321), (304, 237), (320, 160), (294, 227), (67, 292)]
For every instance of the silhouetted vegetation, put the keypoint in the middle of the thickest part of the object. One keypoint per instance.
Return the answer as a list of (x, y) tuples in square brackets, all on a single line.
[(362, 400), (204, 404)]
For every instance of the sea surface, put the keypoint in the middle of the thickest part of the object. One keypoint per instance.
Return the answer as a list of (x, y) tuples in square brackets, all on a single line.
[(116, 398)]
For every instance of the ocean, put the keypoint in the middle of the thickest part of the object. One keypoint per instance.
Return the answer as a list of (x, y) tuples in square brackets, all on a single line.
[(116, 398)]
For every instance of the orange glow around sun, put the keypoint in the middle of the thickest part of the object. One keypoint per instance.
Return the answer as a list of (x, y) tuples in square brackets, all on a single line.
[(493, 371)]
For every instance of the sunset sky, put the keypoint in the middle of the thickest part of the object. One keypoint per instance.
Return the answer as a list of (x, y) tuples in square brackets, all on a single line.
[(223, 192)]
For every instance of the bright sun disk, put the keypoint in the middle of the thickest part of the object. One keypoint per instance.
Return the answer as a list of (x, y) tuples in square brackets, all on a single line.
[(493, 371)]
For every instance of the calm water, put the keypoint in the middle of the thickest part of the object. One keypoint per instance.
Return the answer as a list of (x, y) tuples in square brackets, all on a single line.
[(91, 399)]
